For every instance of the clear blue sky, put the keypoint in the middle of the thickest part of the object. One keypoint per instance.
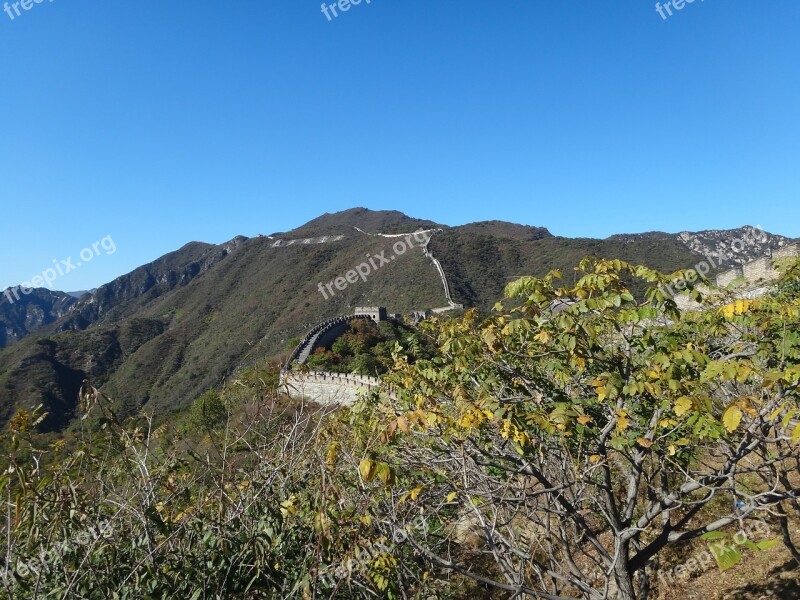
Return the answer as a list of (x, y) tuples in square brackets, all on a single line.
[(162, 123)]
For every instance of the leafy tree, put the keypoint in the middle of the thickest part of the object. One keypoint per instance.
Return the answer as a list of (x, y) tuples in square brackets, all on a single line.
[(576, 433)]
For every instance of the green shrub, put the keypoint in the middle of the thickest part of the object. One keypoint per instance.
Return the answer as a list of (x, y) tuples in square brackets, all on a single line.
[(208, 411)]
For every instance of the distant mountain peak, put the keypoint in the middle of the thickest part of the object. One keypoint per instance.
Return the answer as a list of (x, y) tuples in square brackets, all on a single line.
[(505, 229), (372, 221)]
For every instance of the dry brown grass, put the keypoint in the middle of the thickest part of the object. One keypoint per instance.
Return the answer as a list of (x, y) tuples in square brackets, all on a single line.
[(768, 575)]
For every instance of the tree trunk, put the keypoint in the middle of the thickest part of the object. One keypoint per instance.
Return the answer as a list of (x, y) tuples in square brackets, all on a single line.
[(786, 533), (623, 577)]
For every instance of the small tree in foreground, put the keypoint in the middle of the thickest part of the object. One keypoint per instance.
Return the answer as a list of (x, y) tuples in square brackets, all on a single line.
[(557, 447)]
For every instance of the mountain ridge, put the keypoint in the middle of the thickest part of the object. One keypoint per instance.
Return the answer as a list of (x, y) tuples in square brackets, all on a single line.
[(166, 332)]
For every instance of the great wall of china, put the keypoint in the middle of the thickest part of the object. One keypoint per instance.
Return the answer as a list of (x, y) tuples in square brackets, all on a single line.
[(758, 271), (340, 388), (751, 279), (328, 388), (323, 387)]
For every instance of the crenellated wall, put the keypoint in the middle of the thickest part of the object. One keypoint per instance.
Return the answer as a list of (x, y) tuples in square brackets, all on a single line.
[(320, 386), (761, 269), (790, 251), (320, 335), (328, 388)]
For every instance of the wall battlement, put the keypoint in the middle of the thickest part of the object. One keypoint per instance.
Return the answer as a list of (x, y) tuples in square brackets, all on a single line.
[(328, 388), (376, 313), (759, 270)]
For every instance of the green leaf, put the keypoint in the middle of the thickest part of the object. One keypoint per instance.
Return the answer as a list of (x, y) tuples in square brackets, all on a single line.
[(766, 544), (749, 545), (726, 557)]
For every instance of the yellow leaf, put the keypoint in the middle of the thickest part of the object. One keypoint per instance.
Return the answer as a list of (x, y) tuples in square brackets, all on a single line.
[(644, 442), (731, 418), (385, 473), (333, 452), (594, 458), (288, 506), (741, 307), (584, 420), (683, 405), (367, 469), (622, 420), (796, 434), (776, 413), (402, 424), (451, 496), (743, 372)]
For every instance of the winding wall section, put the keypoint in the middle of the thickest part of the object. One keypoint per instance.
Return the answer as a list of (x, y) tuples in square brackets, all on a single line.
[(319, 386), (321, 335)]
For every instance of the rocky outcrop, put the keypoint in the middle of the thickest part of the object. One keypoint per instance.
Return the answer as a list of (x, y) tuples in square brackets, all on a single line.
[(22, 314), (129, 294), (733, 247)]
